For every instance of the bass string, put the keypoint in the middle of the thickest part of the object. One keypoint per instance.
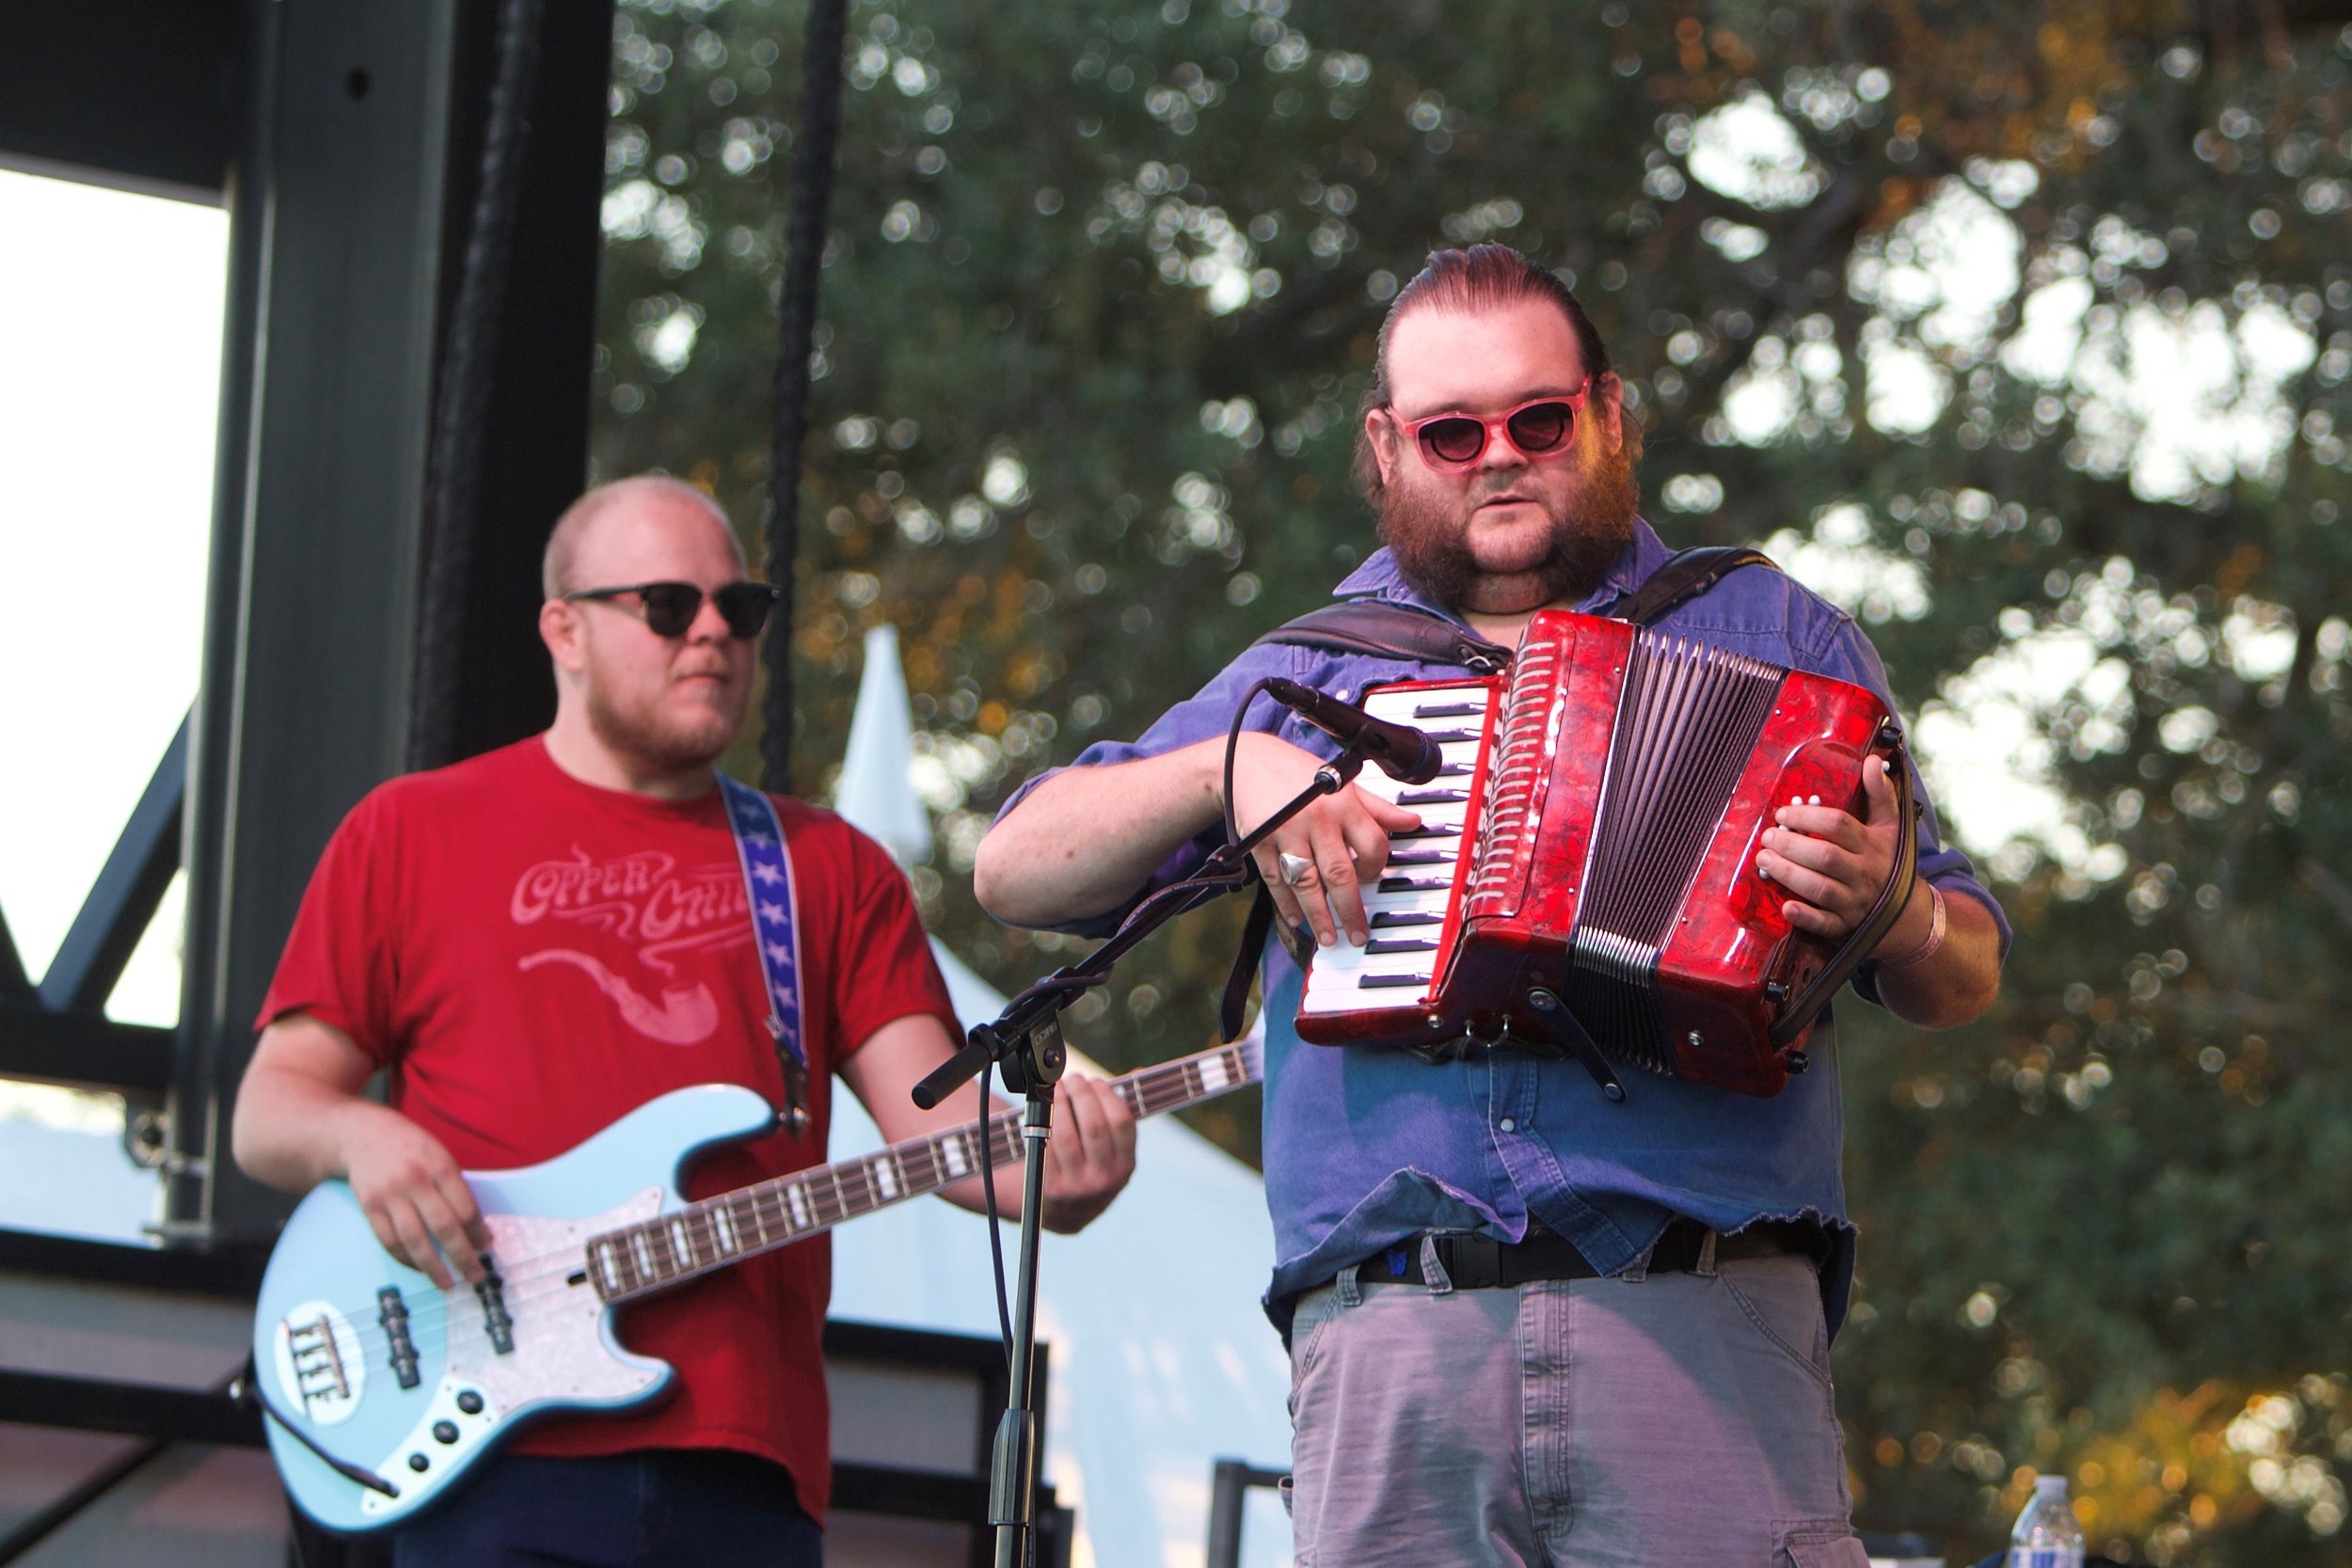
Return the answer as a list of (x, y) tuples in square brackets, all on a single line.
[(528, 1281)]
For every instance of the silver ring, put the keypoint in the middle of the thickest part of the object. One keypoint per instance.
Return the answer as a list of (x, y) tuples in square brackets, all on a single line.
[(1294, 868)]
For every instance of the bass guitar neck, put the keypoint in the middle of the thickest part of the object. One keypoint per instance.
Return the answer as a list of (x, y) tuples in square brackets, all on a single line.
[(716, 1232)]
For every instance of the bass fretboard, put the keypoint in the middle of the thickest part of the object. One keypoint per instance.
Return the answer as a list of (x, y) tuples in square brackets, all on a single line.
[(716, 1232)]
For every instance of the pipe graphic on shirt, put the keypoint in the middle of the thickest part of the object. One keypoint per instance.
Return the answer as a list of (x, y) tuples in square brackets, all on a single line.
[(663, 910), (688, 1014)]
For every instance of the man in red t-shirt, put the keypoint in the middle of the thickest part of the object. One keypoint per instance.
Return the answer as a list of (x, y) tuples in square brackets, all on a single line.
[(538, 941)]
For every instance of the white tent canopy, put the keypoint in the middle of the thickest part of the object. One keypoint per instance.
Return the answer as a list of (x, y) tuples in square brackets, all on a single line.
[(874, 791), (1161, 1360)]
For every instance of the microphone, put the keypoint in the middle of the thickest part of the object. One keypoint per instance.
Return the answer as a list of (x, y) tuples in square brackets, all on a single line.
[(1399, 751)]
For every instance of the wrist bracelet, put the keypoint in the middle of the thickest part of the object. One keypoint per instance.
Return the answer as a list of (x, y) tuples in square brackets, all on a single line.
[(1926, 950)]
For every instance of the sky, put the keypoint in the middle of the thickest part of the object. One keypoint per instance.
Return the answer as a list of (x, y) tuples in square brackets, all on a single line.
[(106, 449)]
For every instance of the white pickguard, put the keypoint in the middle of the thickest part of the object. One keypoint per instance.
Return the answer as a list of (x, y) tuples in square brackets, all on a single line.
[(559, 1356)]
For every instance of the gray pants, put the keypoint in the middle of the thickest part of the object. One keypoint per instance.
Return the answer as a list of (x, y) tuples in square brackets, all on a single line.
[(1647, 1421)]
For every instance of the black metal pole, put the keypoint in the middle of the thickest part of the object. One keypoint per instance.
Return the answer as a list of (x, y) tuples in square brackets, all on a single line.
[(1012, 1475), (805, 258), (1228, 1488), (468, 349)]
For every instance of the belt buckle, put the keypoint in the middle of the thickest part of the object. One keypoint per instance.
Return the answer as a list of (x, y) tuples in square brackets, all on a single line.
[(1438, 1053), (1472, 1261)]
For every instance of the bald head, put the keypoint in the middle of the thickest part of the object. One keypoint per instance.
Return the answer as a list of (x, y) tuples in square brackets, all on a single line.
[(570, 542)]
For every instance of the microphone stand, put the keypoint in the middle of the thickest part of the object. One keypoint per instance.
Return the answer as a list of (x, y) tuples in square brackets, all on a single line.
[(1025, 1044)]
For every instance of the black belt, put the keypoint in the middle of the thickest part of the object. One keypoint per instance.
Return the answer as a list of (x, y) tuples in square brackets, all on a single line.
[(1475, 1262)]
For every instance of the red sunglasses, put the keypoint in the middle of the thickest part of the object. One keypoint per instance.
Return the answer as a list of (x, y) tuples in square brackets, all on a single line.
[(1541, 428)]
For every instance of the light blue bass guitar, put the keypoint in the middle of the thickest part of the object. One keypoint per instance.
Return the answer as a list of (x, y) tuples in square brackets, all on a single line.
[(383, 1388)]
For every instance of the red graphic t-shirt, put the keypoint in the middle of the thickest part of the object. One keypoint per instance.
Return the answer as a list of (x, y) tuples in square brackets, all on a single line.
[(534, 957)]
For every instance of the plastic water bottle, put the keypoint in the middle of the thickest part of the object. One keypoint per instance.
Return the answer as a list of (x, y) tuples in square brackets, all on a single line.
[(2046, 1534)]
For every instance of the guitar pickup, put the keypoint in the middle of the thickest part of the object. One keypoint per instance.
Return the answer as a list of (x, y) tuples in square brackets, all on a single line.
[(392, 1315), (495, 1321)]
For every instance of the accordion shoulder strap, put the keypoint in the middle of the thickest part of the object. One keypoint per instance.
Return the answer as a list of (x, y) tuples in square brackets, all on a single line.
[(1684, 577), (1379, 626), (1235, 1001)]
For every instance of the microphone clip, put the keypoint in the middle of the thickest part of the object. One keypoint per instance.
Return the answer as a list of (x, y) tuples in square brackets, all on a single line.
[(1402, 752)]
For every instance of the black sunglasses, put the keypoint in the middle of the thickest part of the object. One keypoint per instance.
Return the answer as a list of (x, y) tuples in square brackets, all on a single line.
[(671, 607)]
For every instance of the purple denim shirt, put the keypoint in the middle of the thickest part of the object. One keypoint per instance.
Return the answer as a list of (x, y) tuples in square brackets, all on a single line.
[(1367, 1147)]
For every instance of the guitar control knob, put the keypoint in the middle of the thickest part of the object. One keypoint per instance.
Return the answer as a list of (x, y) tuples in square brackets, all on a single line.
[(445, 1432), (470, 1401), (418, 1462)]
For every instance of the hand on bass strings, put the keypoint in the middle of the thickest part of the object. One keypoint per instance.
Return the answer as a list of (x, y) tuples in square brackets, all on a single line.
[(415, 1197), (1342, 839), (302, 1117), (1832, 863)]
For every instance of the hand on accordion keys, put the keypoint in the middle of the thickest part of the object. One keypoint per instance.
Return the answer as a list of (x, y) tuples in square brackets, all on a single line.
[(1342, 839), (1833, 863)]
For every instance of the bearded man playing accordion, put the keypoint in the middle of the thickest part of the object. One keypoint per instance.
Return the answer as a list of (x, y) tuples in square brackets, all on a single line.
[(1528, 1322)]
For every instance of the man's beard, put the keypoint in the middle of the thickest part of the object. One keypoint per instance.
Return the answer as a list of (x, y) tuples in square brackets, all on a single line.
[(671, 747), (1427, 538)]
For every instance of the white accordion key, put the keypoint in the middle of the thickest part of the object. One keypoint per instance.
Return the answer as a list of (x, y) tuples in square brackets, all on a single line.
[(1409, 903)]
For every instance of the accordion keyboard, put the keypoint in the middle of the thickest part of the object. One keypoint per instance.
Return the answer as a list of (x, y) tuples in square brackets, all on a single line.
[(1415, 906)]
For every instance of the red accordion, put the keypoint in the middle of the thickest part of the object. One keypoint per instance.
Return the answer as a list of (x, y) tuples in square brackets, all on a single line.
[(1585, 867)]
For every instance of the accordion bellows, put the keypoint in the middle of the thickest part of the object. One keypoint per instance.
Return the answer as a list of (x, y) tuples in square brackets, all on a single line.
[(1591, 845)]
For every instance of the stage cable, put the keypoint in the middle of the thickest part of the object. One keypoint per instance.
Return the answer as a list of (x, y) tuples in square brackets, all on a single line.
[(811, 197), (462, 394)]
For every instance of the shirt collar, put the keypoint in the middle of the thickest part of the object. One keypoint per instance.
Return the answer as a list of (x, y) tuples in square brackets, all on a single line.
[(1378, 576)]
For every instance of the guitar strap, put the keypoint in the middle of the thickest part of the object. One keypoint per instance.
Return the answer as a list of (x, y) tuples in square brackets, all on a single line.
[(767, 866)]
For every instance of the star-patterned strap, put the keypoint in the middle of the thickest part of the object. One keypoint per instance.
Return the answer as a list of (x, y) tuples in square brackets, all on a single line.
[(759, 849)]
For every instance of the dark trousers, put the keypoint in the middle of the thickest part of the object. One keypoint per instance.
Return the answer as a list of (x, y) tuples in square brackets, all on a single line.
[(652, 1510)]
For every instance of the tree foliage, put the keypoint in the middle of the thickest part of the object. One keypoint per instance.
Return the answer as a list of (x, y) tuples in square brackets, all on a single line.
[(2021, 332)]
